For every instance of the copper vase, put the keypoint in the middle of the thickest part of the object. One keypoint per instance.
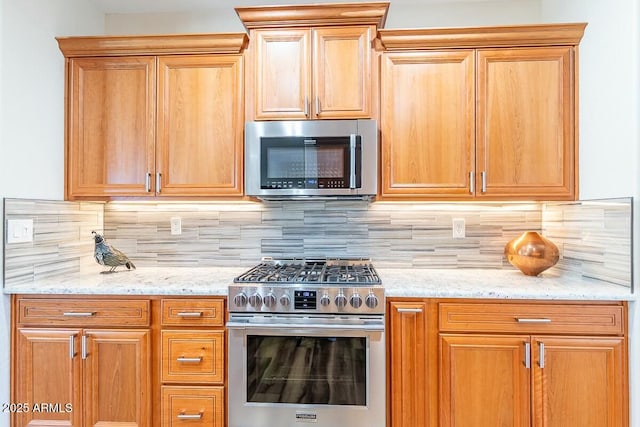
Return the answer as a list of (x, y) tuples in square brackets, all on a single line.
[(531, 253)]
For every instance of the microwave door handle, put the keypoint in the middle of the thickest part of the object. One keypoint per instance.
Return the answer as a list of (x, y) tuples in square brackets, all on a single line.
[(352, 175)]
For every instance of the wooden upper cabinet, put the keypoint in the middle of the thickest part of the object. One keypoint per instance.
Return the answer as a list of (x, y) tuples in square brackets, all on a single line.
[(525, 125), (427, 123), (282, 78), (312, 61), (487, 112), (111, 134), (200, 122), (313, 73), (342, 72), (154, 115)]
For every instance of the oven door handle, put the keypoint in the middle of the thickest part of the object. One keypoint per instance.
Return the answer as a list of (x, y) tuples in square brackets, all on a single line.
[(296, 328)]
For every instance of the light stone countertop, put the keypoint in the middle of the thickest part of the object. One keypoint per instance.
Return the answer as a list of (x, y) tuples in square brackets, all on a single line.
[(425, 283)]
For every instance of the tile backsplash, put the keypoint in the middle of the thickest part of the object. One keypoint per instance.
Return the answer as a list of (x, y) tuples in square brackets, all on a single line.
[(594, 237)]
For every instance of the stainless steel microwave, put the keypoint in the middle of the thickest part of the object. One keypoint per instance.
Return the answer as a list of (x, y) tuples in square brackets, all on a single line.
[(311, 158)]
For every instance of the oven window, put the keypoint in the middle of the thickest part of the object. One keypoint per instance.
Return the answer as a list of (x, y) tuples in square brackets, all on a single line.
[(307, 370)]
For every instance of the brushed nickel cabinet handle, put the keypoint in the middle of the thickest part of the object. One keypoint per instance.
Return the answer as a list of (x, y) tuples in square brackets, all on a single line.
[(189, 314), (472, 182), (306, 106), (409, 310), (532, 320), (483, 176), (183, 416), (189, 359), (541, 354), (79, 314), (84, 347), (158, 182), (72, 346), (317, 105), (147, 182), (527, 355)]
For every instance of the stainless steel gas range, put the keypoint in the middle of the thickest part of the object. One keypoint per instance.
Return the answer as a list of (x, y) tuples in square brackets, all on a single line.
[(306, 344)]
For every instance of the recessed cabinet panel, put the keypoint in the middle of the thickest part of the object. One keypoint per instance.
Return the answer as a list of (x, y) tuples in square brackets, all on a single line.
[(342, 72), (199, 148), (427, 124), (47, 371), (111, 126), (484, 381), (525, 122), (581, 381), (283, 81)]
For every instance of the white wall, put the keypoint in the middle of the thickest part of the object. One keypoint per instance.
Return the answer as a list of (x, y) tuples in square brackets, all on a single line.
[(31, 112), (406, 14), (610, 121)]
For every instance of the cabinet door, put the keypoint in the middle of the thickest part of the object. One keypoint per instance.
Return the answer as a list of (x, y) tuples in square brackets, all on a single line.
[(282, 74), (525, 124), (117, 378), (111, 139), (200, 122), (47, 390), (581, 382), (484, 381), (342, 72), (427, 124), (408, 365)]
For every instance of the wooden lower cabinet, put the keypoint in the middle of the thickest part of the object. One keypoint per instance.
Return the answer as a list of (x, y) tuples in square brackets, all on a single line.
[(192, 358), (193, 406), (543, 364), (412, 391), (507, 363), (76, 377)]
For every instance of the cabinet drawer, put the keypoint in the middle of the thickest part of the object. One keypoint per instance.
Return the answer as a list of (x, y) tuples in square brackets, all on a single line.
[(192, 312), (83, 312), (532, 318), (193, 406), (193, 356)]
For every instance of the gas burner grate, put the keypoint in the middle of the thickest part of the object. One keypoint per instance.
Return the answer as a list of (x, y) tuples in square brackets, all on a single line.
[(325, 271)]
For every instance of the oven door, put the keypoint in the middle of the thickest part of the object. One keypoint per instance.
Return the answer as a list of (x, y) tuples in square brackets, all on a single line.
[(287, 370)]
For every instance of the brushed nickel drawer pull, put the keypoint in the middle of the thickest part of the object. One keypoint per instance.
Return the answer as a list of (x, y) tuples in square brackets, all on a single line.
[(183, 416), (532, 320), (189, 314), (79, 314), (409, 310), (189, 359)]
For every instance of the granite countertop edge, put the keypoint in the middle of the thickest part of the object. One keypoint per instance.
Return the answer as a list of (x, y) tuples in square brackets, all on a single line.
[(398, 282)]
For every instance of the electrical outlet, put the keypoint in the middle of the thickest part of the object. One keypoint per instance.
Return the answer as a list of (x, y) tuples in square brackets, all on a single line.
[(458, 228), (19, 230), (176, 225)]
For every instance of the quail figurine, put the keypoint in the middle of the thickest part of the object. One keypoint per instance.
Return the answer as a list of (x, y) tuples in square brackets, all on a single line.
[(109, 256)]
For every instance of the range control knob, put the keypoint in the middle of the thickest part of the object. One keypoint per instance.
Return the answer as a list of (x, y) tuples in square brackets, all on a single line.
[(341, 300), (240, 299), (325, 300), (355, 300), (270, 300), (371, 301), (285, 300), (255, 300)]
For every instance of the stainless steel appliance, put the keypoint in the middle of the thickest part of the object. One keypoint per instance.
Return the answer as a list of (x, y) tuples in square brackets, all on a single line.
[(311, 158), (307, 345)]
